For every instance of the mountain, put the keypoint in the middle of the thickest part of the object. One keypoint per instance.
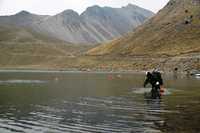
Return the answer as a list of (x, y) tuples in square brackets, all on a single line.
[(95, 25), (173, 31), (22, 18), (17, 28), (22, 48)]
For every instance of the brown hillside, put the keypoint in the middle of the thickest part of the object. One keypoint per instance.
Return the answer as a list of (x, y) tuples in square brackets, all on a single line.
[(173, 31), (21, 47)]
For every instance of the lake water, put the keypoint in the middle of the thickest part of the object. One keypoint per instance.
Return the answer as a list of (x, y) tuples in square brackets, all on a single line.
[(57, 102)]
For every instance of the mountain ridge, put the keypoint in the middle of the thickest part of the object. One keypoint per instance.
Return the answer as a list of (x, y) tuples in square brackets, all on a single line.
[(169, 41), (172, 31), (96, 24)]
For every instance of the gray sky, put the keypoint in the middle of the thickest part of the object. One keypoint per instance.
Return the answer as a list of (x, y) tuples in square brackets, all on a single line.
[(52, 7)]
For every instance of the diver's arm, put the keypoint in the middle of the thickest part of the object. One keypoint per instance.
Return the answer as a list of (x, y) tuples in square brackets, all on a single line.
[(161, 82), (146, 82), (160, 79)]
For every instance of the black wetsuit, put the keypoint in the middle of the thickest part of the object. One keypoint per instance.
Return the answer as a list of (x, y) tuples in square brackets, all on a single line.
[(153, 78)]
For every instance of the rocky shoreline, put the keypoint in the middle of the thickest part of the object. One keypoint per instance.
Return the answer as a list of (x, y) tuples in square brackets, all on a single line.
[(187, 64)]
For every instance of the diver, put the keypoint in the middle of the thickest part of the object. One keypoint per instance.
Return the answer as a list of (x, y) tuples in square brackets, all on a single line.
[(155, 79)]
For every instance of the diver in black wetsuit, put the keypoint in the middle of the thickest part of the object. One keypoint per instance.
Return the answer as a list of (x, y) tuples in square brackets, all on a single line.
[(155, 79)]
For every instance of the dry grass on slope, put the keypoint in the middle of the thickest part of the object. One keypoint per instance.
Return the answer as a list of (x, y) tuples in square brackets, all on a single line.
[(173, 31), (22, 47)]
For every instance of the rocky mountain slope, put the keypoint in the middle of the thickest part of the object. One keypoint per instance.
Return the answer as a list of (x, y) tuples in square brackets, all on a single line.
[(95, 25), (174, 31), (21, 48), (23, 18)]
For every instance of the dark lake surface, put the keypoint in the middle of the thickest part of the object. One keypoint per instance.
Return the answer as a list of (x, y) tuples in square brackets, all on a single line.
[(62, 102)]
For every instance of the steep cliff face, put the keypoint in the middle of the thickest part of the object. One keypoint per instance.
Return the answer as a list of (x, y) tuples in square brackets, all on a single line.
[(173, 31), (95, 25)]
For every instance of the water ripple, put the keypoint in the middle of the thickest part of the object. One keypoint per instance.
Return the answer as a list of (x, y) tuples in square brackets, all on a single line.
[(19, 81)]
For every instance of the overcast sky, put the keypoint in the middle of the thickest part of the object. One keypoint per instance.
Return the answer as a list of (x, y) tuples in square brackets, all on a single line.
[(52, 7)]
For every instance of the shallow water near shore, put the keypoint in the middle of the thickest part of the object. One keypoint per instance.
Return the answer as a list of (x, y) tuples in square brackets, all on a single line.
[(42, 102)]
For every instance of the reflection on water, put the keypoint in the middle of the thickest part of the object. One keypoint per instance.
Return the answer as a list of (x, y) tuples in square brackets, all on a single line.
[(21, 81), (86, 102)]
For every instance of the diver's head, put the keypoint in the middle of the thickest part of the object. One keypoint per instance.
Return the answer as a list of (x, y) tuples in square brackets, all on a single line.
[(148, 74)]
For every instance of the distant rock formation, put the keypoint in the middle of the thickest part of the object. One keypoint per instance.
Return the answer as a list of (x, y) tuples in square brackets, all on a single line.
[(95, 25)]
